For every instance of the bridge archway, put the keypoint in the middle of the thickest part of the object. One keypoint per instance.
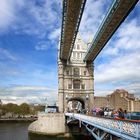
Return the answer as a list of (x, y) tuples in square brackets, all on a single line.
[(75, 104)]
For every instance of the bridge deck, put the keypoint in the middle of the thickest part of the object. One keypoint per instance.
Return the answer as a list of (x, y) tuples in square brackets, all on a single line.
[(119, 10), (129, 130), (72, 13)]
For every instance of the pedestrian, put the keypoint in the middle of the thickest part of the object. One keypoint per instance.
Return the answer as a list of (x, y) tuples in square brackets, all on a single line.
[(115, 114), (105, 113), (120, 113), (125, 114)]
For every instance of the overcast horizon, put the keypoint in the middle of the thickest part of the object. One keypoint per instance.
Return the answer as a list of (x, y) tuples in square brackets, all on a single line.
[(29, 38)]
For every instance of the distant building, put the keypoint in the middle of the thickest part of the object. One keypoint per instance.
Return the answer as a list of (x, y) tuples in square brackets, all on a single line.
[(100, 101), (120, 98)]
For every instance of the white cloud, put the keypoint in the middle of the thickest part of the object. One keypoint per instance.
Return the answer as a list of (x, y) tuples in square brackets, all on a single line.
[(6, 55), (41, 46), (92, 17), (121, 68), (32, 88), (29, 94), (8, 12), (103, 92), (121, 57), (55, 34), (30, 17)]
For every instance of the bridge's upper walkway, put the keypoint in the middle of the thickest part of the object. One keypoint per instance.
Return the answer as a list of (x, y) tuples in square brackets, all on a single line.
[(72, 13), (119, 10), (129, 130)]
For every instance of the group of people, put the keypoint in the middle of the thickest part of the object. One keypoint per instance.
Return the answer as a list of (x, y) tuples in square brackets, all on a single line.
[(105, 112)]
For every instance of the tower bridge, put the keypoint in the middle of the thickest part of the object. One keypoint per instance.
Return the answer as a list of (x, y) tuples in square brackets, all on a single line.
[(76, 75), (75, 64), (75, 60)]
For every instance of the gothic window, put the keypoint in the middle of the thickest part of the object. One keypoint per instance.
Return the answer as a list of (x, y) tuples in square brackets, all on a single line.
[(74, 54), (81, 55), (78, 47), (76, 72), (78, 55), (76, 84), (67, 72), (85, 73), (83, 86), (69, 86)]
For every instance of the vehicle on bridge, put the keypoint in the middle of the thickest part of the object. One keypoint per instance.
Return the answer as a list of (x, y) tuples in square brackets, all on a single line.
[(51, 109), (134, 116)]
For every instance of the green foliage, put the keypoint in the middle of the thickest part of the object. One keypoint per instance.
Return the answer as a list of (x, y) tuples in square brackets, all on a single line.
[(23, 109)]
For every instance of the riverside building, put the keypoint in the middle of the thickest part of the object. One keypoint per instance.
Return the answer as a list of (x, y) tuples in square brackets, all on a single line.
[(120, 98)]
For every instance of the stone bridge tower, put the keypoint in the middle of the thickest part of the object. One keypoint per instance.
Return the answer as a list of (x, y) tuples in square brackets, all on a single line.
[(76, 79)]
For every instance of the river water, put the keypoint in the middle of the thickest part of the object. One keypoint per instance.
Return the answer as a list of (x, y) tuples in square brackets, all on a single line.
[(14, 131), (19, 131)]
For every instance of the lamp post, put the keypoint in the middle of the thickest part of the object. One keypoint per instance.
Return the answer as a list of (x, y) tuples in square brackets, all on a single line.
[(67, 97), (87, 97), (87, 110)]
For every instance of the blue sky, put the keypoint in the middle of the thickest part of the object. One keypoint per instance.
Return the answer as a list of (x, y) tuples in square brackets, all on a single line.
[(29, 37)]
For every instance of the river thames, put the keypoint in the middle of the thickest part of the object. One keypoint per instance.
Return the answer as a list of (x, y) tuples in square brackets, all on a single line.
[(19, 131)]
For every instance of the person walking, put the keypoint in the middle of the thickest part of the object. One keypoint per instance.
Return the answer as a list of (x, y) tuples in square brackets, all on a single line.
[(120, 113), (125, 114)]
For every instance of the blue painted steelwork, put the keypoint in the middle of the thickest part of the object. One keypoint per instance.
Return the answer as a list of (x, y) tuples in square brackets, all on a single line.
[(118, 12), (124, 129)]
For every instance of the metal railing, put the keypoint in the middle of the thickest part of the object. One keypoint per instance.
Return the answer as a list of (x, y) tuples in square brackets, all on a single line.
[(125, 129)]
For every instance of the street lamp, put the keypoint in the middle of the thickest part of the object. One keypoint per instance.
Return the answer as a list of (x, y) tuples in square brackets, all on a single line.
[(87, 97), (67, 97)]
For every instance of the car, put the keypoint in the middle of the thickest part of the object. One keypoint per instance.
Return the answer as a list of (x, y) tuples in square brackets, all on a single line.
[(134, 116), (51, 109)]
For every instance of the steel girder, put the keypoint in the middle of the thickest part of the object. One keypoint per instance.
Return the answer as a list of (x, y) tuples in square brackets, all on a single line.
[(72, 13), (118, 12)]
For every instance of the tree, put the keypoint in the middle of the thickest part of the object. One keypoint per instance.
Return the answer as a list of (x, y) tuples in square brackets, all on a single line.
[(25, 109)]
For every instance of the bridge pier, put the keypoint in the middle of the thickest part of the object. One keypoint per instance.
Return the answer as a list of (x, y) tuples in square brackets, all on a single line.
[(55, 125)]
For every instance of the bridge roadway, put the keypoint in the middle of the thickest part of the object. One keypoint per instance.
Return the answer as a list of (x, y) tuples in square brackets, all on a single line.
[(118, 12), (103, 127), (72, 14)]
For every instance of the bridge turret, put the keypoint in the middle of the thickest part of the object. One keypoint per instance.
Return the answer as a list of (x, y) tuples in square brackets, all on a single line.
[(76, 80)]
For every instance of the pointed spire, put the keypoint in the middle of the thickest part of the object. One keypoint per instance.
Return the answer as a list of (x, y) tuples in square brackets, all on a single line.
[(78, 36), (89, 41)]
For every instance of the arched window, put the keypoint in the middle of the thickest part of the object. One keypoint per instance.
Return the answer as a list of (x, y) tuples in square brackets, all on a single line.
[(85, 73), (78, 47), (76, 72), (74, 55), (67, 72), (83, 86), (69, 86), (78, 55)]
